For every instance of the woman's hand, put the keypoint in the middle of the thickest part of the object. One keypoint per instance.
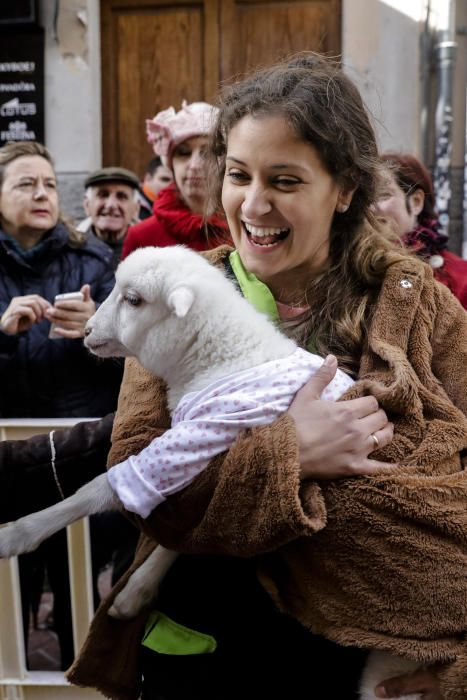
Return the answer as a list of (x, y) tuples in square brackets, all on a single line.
[(71, 316), (335, 439), (423, 681), (22, 313)]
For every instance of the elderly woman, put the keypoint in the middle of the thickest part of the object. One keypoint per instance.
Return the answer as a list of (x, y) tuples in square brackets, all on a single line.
[(43, 376), (40, 257), (180, 139)]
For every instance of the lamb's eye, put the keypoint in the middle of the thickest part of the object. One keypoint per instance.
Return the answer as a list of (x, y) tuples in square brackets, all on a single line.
[(132, 299)]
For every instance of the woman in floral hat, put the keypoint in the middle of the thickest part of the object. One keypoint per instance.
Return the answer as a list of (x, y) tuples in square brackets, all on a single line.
[(179, 214)]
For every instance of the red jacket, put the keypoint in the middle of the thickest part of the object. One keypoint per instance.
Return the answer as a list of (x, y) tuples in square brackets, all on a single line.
[(454, 275), (173, 223), (429, 244)]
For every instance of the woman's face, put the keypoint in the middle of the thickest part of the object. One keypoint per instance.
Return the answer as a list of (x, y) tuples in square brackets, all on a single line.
[(189, 167), (28, 199), (280, 201), (401, 209)]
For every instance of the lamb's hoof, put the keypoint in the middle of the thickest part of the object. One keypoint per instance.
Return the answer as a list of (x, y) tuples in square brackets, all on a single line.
[(14, 540), (122, 611), (129, 603), (9, 547)]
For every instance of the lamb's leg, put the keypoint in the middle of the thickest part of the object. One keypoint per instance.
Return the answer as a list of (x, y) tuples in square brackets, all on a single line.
[(143, 584), (27, 533), (381, 666)]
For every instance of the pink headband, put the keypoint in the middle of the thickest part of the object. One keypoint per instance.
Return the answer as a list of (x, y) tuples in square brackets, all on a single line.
[(169, 128)]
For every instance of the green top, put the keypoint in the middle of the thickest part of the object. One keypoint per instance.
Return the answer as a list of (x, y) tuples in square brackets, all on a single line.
[(258, 294)]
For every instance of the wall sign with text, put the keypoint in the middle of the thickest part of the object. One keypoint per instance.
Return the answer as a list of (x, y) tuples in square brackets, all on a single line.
[(22, 85)]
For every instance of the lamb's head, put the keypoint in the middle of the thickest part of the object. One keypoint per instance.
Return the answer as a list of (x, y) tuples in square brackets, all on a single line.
[(152, 312)]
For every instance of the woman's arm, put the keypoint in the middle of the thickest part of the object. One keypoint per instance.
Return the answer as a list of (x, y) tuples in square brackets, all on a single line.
[(31, 482), (253, 498)]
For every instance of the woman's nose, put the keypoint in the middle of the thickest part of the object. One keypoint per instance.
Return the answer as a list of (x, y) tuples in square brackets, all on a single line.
[(40, 191), (256, 202), (197, 160)]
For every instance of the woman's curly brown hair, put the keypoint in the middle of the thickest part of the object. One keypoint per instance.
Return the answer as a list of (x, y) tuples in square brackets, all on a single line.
[(325, 109)]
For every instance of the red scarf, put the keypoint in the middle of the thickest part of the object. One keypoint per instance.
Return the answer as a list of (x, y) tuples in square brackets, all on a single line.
[(184, 226)]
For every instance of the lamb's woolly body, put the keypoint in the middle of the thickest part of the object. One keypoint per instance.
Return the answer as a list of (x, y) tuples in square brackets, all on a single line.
[(225, 333)]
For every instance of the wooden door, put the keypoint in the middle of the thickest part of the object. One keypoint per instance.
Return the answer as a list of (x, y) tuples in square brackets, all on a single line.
[(255, 33), (156, 53)]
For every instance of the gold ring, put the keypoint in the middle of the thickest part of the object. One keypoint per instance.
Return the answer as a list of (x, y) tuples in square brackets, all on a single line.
[(375, 441)]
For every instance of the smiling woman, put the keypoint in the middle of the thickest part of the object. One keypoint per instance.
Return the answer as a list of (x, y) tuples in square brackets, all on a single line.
[(280, 202)]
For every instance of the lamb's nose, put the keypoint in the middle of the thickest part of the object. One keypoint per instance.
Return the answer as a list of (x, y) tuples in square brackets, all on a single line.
[(87, 331)]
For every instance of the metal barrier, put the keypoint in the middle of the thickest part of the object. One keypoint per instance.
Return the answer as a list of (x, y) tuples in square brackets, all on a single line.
[(16, 682)]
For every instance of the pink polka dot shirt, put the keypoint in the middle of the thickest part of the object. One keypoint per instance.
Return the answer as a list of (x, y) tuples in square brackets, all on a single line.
[(207, 422)]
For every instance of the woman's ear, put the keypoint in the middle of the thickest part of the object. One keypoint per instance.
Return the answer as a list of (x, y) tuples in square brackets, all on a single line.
[(344, 200), (416, 201)]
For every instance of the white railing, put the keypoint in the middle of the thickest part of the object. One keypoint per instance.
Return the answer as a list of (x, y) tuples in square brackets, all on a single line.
[(16, 682)]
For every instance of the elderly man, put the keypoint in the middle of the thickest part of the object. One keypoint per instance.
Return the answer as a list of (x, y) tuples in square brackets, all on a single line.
[(111, 204)]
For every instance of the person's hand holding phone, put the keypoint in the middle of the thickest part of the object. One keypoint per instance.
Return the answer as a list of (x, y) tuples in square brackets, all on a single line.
[(70, 314)]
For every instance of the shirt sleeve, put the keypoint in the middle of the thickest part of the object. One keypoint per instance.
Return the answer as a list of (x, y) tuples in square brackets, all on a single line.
[(168, 464)]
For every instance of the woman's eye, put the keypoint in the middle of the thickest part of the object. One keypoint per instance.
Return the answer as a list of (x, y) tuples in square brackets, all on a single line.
[(132, 299), (287, 182), (182, 152), (237, 176)]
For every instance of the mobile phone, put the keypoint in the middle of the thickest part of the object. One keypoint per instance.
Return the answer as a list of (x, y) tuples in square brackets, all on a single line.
[(68, 296)]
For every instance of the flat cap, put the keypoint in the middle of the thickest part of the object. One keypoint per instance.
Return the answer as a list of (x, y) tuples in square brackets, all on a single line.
[(112, 175)]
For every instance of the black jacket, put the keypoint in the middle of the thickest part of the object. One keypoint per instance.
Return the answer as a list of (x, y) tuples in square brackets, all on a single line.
[(26, 476), (40, 377)]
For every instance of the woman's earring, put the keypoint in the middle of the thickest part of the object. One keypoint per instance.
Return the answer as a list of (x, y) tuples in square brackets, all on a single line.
[(342, 208)]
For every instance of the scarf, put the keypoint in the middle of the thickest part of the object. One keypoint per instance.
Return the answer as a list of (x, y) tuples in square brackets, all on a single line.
[(54, 239), (184, 226), (429, 244), (426, 240)]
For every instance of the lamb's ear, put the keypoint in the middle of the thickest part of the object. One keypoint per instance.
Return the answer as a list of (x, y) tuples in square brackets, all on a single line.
[(180, 301)]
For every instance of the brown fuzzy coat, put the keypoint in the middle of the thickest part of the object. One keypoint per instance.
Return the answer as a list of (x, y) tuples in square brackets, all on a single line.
[(378, 561)]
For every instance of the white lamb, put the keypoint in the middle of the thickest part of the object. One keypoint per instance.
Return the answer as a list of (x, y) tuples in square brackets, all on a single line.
[(226, 367)]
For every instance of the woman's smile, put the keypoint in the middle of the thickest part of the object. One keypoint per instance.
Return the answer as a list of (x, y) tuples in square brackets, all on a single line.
[(265, 236), (280, 202)]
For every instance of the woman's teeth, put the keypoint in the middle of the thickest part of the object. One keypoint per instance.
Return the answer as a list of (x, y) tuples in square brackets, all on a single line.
[(266, 236)]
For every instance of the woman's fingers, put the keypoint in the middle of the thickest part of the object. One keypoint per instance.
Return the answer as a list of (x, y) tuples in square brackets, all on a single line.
[(70, 334), (362, 407), (71, 316), (312, 390), (383, 437), (18, 319), (23, 312), (336, 439), (423, 681)]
